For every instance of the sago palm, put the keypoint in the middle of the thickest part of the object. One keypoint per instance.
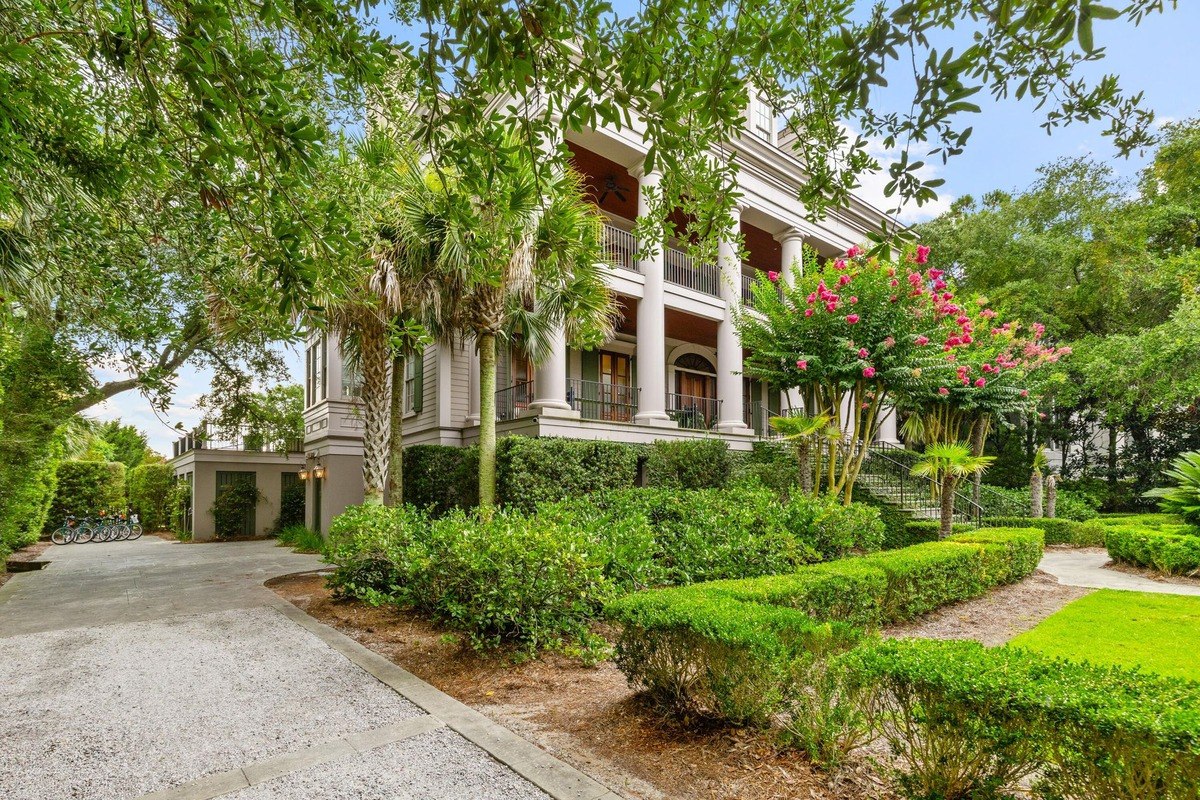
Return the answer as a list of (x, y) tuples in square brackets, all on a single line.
[(945, 464), (1184, 497), (803, 431), (519, 255)]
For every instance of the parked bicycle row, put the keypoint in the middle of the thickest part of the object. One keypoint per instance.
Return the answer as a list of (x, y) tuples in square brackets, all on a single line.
[(104, 528)]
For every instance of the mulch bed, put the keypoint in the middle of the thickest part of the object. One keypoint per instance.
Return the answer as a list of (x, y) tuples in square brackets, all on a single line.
[(996, 617), (587, 716)]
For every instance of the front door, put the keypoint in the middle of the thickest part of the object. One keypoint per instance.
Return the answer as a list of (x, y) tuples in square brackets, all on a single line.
[(616, 393), (696, 399)]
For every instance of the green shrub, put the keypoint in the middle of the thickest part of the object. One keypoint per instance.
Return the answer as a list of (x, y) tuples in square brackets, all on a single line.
[(928, 530), (301, 538), (1183, 497), (1058, 530), (689, 464), (150, 494), (665, 642), (25, 499), (1173, 551), (968, 722), (233, 503), (534, 470), (85, 488), (744, 531), (292, 501), (771, 464), (378, 552), (440, 478)]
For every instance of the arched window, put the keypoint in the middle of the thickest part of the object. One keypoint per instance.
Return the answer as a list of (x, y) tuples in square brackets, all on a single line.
[(694, 362)]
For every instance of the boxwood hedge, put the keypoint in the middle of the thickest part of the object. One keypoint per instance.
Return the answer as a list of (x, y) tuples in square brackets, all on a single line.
[(1174, 550), (1058, 531)]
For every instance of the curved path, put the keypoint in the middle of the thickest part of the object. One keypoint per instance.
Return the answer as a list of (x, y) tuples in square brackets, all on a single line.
[(153, 670), (1086, 568)]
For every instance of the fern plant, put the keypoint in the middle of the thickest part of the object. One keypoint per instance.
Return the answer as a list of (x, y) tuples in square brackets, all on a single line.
[(1184, 497)]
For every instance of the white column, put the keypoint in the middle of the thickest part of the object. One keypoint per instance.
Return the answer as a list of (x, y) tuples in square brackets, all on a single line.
[(888, 431), (472, 383), (550, 379), (729, 347), (791, 242), (651, 322)]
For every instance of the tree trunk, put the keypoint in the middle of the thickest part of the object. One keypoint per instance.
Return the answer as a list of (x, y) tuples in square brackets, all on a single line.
[(487, 423), (979, 432), (1051, 496), (806, 475), (376, 397), (947, 507), (1112, 457), (1035, 494), (395, 485)]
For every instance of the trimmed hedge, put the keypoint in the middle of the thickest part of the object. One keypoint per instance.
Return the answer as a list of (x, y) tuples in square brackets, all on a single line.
[(963, 721), (85, 488), (441, 478), (531, 471), (929, 530), (1057, 530), (689, 464), (860, 592), (1170, 549), (150, 488), (967, 721)]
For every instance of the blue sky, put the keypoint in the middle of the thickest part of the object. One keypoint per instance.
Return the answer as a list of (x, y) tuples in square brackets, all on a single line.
[(1161, 57)]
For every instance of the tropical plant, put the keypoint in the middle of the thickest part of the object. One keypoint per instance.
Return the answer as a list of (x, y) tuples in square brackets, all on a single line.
[(1184, 497), (518, 253), (805, 434), (945, 463)]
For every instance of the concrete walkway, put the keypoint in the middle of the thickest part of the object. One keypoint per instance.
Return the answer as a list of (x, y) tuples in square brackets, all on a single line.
[(152, 670), (1086, 568)]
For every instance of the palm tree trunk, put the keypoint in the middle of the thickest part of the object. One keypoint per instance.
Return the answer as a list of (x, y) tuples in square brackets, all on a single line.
[(947, 507), (395, 484), (376, 397), (806, 474), (487, 423)]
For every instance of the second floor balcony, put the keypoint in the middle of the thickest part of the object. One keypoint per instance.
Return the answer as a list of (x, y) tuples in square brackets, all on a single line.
[(243, 439)]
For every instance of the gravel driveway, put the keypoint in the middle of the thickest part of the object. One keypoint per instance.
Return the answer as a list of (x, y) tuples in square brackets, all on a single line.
[(155, 669)]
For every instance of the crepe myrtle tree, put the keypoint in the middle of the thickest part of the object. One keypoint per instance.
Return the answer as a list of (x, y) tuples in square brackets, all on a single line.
[(848, 336)]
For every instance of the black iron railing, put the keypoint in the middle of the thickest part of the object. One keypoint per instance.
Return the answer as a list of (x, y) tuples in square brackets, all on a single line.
[(514, 400), (603, 401), (696, 413), (244, 439), (887, 473)]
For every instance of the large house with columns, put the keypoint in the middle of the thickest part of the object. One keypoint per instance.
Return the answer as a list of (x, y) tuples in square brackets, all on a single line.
[(671, 371)]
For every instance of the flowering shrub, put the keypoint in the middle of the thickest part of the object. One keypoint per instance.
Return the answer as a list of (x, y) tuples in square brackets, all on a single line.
[(858, 333)]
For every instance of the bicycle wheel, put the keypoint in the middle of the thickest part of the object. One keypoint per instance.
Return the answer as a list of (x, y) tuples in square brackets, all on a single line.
[(62, 535), (135, 531), (84, 534)]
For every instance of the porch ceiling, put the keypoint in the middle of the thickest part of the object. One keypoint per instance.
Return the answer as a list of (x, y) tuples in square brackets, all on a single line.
[(688, 328)]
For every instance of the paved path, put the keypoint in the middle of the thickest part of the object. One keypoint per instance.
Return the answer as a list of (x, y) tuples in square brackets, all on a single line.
[(1086, 568), (153, 670)]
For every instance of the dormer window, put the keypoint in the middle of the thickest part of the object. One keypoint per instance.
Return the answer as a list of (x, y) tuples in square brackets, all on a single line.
[(762, 119)]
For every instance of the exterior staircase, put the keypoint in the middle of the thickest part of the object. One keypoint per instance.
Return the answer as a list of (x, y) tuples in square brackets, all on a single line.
[(887, 476)]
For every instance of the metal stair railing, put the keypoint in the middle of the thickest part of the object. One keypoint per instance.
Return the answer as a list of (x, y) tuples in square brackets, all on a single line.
[(888, 469)]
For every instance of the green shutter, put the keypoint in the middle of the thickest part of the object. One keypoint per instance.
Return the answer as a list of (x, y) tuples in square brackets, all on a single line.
[(418, 383), (774, 401), (590, 365)]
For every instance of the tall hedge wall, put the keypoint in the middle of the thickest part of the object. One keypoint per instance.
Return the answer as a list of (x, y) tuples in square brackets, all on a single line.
[(87, 487), (150, 488)]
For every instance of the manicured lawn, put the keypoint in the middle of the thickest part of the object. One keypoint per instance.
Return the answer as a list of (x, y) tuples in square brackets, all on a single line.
[(1157, 632)]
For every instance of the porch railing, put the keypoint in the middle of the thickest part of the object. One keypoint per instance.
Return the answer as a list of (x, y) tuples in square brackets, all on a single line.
[(513, 400), (603, 401), (620, 247), (682, 270), (244, 439), (696, 413)]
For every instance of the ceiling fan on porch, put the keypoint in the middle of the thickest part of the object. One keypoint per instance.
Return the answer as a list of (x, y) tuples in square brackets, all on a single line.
[(611, 185)]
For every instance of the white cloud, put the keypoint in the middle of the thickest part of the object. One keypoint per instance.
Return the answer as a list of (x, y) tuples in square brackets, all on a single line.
[(872, 186)]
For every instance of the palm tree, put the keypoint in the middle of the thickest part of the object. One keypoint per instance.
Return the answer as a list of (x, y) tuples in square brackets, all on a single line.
[(803, 431), (382, 316), (519, 256), (945, 464)]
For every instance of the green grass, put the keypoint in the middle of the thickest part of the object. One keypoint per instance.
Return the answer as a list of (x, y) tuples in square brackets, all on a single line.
[(1157, 632), (302, 539)]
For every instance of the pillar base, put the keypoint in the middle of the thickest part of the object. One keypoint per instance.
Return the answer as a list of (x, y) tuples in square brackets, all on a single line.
[(655, 419), (553, 409), (733, 427)]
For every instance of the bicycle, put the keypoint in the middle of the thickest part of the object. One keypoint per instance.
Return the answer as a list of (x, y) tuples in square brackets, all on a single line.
[(72, 530)]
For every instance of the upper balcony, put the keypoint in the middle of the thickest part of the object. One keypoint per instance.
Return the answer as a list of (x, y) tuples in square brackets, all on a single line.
[(241, 440), (621, 247)]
